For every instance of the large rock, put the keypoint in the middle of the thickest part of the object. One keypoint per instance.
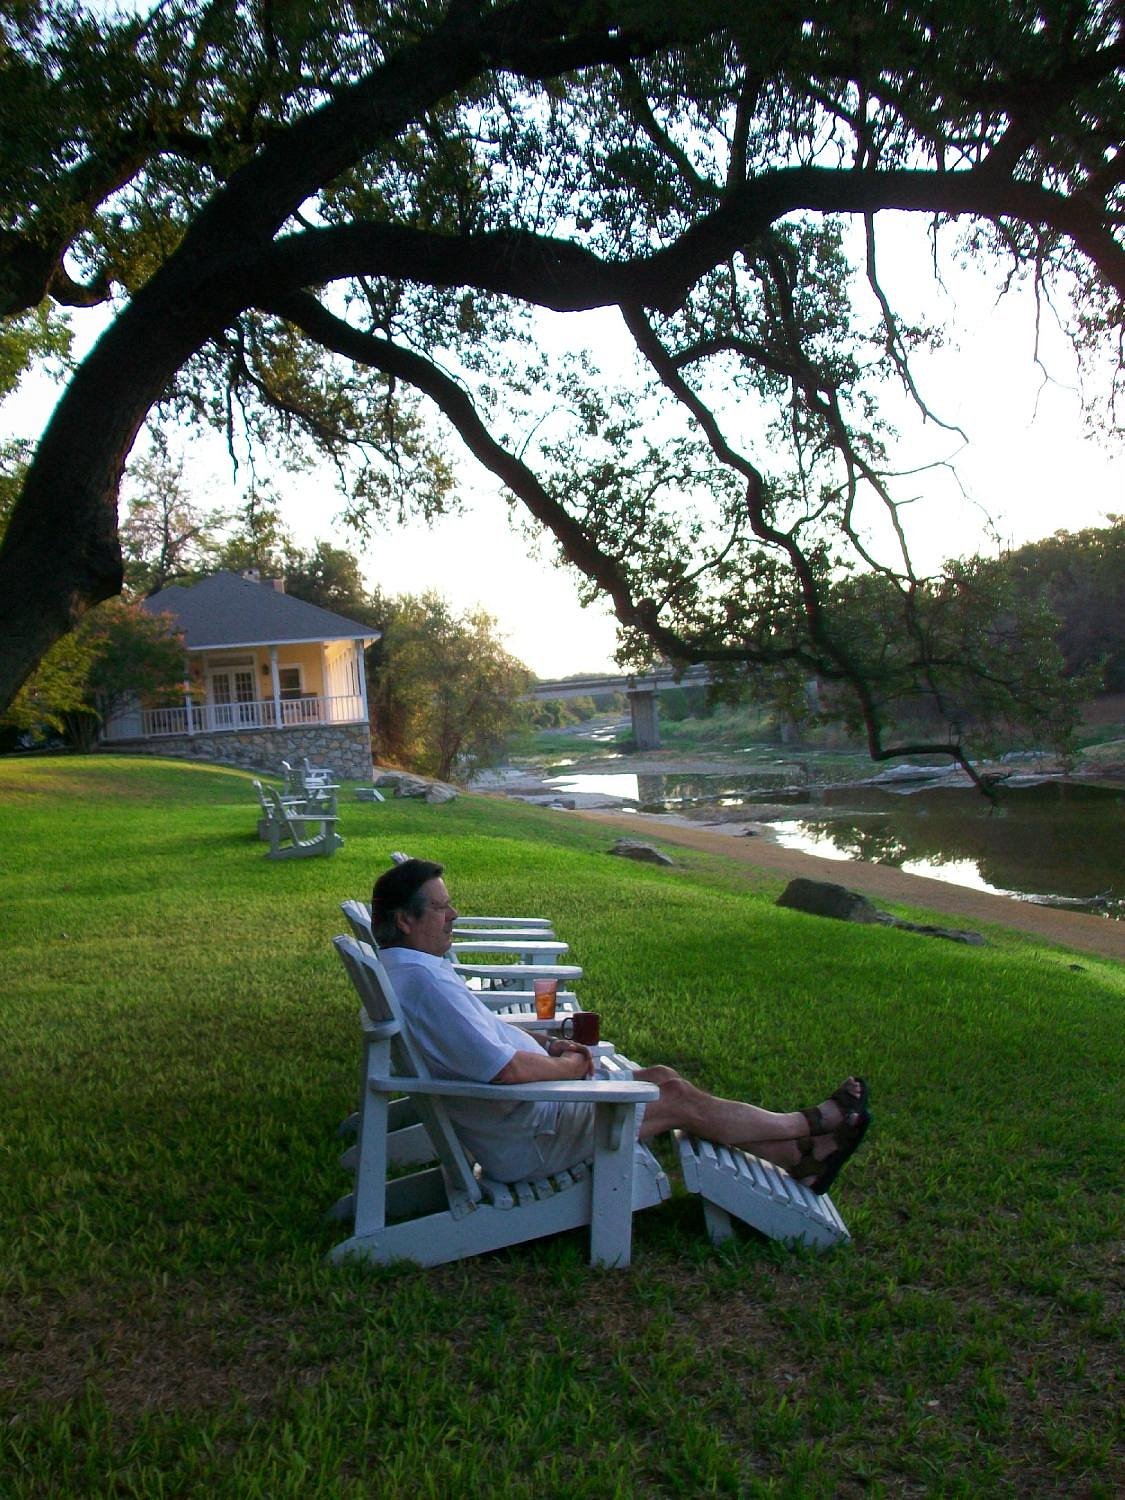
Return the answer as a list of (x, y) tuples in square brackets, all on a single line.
[(634, 849), (406, 784), (821, 898), (438, 791)]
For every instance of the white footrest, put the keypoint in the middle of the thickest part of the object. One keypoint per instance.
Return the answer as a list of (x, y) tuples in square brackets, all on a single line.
[(732, 1182)]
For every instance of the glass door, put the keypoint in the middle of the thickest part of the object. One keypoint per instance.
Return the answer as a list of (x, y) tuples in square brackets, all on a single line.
[(232, 698)]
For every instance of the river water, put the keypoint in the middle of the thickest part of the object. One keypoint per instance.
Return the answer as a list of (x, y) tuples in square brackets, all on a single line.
[(1053, 841)]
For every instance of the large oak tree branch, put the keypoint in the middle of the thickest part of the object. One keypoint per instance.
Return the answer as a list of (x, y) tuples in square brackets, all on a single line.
[(567, 277), (316, 322)]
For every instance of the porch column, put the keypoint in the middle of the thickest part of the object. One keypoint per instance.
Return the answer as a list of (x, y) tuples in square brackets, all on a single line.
[(360, 668), (276, 681), (327, 713), (189, 717)]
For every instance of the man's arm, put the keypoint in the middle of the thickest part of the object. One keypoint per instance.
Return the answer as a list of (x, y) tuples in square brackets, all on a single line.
[(562, 1060)]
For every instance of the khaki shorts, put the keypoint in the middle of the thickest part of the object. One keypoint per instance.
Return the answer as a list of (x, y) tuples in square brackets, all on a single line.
[(516, 1155), (570, 1142)]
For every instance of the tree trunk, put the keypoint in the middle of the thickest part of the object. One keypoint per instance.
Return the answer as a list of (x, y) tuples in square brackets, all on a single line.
[(61, 554)]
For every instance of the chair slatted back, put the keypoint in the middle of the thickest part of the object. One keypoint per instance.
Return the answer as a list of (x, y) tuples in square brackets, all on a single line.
[(281, 812), (358, 914), (373, 985)]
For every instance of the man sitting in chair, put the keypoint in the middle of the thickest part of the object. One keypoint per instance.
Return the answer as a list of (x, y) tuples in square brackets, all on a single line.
[(459, 1037)]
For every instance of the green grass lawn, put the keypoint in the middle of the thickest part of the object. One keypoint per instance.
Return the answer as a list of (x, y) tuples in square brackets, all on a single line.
[(178, 1043)]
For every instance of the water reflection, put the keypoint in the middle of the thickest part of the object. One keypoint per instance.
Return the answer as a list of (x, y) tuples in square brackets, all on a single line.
[(1055, 839), (613, 784), (674, 793), (1051, 841), (828, 842)]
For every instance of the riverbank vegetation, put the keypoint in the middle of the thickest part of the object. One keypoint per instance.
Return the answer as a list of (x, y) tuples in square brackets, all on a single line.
[(180, 1043), (1073, 582)]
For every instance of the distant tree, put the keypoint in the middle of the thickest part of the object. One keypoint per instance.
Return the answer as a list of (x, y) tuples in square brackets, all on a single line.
[(549, 713), (998, 648), (14, 458), (36, 336), (557, 713), (693, 702), (329, 577), (1081, 578), (257, 538), (165, 538), (443, 691)]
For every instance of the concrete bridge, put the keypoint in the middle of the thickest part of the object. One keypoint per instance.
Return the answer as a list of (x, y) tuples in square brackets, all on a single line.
[(640, 689)]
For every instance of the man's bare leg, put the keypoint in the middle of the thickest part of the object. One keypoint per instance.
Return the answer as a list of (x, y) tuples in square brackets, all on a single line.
[(816, 1161), (729, 1121)]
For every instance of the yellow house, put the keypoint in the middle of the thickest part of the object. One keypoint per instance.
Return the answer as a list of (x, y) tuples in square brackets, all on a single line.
[(267, 678)]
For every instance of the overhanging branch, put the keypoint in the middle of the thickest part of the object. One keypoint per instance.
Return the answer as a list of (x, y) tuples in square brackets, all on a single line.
[(565, 277)]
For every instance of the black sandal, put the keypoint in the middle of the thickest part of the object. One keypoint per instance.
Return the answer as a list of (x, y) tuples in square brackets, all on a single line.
[(825, 1169), (849, 1104)]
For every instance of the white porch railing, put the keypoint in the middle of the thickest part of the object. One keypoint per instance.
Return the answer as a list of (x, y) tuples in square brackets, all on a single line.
[(209, 718)]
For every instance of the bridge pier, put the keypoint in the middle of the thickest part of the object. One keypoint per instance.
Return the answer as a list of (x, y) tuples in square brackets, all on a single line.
[(646, 725)]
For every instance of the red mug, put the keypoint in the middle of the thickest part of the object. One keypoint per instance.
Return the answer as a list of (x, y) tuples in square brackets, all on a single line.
[(582, 1026)]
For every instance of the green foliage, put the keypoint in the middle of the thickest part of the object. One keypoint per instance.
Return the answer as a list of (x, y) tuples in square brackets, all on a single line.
[(37, 336), (442, 688), (556, 713), (13, 469), (321, 222), (993, 669), (331, 578), (1080, 577), (257, 538), (117, 653), (178, 1057)]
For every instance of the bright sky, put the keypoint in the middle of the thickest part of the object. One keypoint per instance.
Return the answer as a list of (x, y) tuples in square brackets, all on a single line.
[(1028, 466)]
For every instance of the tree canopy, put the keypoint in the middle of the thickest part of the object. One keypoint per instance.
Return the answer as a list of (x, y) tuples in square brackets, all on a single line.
[(315, 224)]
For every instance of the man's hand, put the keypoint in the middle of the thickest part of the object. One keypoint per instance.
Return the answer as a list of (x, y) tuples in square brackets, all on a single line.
[(559, 1046), (563, 1060)]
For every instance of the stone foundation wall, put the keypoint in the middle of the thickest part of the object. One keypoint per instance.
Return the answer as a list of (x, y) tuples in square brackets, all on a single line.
[(345, 748)]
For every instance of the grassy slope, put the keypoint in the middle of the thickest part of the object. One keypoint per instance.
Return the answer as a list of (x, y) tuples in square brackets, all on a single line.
[(178, 1044)]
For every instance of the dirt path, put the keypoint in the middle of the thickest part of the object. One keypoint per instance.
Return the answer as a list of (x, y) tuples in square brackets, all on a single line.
[(883, 882)]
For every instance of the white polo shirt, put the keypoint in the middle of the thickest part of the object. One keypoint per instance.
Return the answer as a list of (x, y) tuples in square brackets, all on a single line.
[(459, 1037)]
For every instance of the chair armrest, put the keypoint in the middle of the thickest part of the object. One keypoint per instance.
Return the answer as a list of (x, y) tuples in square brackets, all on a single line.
[(518, 971), (564, 1091), (507, 944)]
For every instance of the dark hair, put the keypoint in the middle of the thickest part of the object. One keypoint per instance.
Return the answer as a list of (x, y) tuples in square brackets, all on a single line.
[(399, 889)]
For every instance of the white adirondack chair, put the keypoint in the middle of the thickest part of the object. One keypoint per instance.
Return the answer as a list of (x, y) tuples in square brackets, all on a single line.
[(451, 1211), (288, 831), (269, 812)]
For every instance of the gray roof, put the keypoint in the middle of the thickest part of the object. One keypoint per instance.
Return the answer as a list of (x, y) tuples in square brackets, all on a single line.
[(226, 609)]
